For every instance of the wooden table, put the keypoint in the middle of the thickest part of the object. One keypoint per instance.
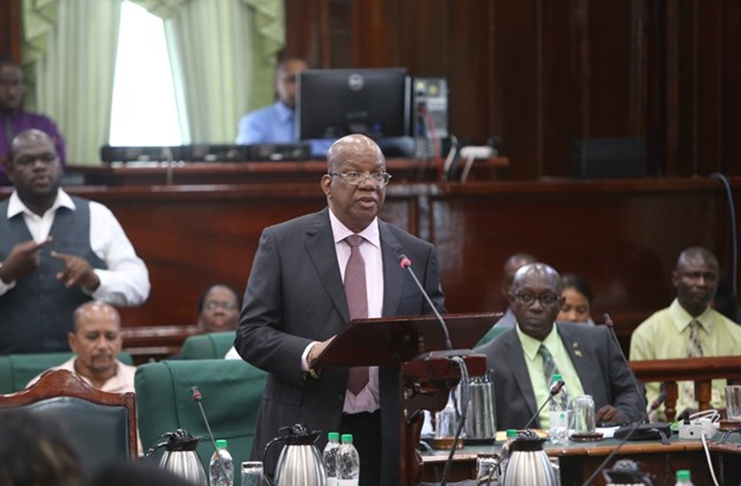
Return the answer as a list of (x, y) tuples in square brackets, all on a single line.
[(578, 460)]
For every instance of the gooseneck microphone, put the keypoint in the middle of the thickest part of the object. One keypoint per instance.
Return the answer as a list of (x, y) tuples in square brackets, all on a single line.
[(198, 398), (610, 325), (658, 401), (555, 390), (406, 264)]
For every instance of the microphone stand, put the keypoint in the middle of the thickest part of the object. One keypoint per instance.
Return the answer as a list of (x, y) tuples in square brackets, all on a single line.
[(555, 390), (197, 397)]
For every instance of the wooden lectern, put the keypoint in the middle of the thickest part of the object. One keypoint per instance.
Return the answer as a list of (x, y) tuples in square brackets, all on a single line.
[(425, 376)]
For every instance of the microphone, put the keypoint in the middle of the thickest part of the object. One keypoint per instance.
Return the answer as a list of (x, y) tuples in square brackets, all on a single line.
[(659, 400), (555, 390), (639, 430), (406, 264), (611, 326), (198, 398)]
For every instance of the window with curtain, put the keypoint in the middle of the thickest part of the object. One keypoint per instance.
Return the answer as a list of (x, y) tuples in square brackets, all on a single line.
[(144, 110)]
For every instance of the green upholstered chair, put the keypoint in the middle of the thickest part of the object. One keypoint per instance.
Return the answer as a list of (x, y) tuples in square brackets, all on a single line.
[(101, 426), (213, 345), (231, 392), (16, 370)]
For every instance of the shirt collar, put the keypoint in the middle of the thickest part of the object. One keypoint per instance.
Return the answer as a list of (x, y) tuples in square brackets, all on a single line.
[(16, 206), (285, 113), (530, 345), (340, 231), (681, 318)]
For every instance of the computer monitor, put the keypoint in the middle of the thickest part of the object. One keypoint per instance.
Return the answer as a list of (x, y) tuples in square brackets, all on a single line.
[(332, 103)]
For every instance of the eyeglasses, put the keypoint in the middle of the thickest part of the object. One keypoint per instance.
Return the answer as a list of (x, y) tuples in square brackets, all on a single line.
[(529, 299), (357, 178), (220, 305)]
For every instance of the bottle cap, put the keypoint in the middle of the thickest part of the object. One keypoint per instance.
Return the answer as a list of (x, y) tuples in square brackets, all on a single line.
[(511, 433), (335, 436), (221, 444), (556, 378), (683, 475), (346, 438)]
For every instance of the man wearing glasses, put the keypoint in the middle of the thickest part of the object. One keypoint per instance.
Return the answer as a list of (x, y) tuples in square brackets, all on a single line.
[(310, 277), (524, 358)]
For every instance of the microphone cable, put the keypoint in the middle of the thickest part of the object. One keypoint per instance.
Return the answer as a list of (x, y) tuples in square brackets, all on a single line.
[(734, 235), (611, 455), (464, 413)]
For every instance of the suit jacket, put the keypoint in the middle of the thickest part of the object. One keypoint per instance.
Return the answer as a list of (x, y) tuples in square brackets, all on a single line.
[(294, 296), (597, 361)]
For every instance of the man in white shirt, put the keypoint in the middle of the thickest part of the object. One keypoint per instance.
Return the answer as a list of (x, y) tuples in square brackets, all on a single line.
[(57, 252), (96, 341)]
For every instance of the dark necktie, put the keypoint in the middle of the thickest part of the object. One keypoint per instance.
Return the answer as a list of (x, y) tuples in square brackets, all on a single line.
[(357, 303)]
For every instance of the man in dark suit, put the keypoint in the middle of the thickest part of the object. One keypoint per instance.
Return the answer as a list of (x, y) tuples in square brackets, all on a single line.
[(310, 277), (586, 357)]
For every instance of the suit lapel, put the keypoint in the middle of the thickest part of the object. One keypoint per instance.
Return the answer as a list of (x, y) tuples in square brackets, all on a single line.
[(515, 355), (321, 250), (393, 274), (584, 367)]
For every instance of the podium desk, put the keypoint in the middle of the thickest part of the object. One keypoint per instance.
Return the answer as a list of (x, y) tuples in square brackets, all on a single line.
[(578, 460)]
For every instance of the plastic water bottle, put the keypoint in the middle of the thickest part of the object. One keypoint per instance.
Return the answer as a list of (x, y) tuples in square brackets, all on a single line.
[(216, 471), (330, 457), (559, 407), (348, 463), (683, 478)]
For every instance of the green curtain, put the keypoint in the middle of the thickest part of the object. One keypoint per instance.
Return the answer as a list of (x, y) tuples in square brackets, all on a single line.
[(69, 54), (223, 55)]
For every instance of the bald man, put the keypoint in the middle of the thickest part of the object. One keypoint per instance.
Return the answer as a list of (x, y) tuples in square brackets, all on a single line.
[(526, 357), (56, 252), (689, 327), (306, 284), (96, 341)]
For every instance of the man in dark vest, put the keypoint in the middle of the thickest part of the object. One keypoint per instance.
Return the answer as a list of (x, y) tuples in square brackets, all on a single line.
[(57, 252)]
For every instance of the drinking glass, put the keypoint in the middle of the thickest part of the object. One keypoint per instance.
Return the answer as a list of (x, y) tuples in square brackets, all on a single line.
[(584, 420), (733, 403), (252, 473)]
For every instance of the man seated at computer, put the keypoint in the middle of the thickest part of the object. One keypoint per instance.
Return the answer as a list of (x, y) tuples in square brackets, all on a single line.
[(526, 358)]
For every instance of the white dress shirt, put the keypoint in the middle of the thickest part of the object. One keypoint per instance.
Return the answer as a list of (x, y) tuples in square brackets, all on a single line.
[(368, 399), (125, 282)]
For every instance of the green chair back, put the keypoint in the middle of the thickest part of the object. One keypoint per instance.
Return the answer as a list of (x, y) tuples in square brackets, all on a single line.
[(213, 345), (231, 392), (492, 334), (16, 370)]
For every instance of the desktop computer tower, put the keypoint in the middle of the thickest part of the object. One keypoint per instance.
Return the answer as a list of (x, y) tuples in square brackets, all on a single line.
[(429, 114)]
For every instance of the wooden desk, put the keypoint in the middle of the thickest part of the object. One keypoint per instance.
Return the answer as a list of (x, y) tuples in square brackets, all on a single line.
[(578, 461)]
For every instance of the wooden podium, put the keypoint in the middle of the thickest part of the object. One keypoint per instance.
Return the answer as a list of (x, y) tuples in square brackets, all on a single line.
[(425, 376)]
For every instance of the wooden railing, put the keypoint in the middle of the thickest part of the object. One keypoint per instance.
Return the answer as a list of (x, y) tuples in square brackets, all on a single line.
[(700, 370)]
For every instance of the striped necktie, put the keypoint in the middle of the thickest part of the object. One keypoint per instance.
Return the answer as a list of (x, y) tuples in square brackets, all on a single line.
[(357, 303), (694, 350), (549, 368)]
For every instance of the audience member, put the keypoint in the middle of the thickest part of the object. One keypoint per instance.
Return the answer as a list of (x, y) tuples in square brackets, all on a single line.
[(35, 452), (310, 276), (57, 252), (577, 300), (524, 359), (15, 119), (511, 265), (689, 327), (96, 341), (218, 309)]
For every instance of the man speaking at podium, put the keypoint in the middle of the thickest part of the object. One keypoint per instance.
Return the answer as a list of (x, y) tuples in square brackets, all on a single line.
[(310, 277)]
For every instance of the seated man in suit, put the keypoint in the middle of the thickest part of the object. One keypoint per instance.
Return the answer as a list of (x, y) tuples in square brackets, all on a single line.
[(586, 357), (96, 341), (689, 327)]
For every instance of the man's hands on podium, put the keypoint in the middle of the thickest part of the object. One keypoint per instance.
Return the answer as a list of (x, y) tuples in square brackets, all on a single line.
[(23, 259), (314, 353)]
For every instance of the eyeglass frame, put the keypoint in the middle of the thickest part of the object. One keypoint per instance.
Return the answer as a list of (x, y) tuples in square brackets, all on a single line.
[(213, 305), (519, 296), (386, 177)]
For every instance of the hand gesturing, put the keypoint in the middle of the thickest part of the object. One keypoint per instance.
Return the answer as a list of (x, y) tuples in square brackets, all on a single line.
[(23, 258), (77, 271)]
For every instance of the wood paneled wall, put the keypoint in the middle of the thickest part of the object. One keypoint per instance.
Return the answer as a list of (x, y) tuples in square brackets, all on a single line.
[(541, 73)]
